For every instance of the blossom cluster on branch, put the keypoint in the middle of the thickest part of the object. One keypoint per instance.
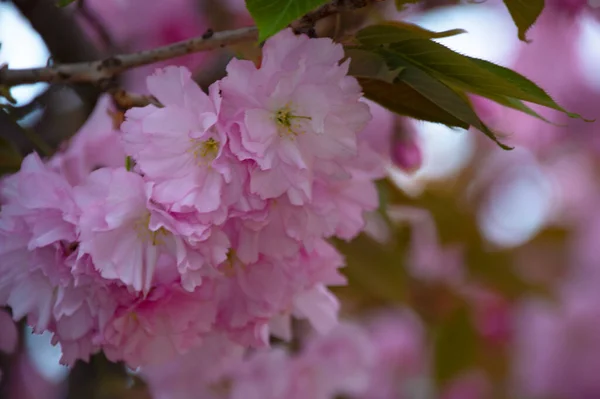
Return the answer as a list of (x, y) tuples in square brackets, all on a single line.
[(216, 226)]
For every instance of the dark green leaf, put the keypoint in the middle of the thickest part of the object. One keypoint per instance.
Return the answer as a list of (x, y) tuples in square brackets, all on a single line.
[(446, 98), (404, 100), (271, 16), (367, 64), (529, 91), (467, 73), (519, 106), (64, 3), (395, 31), (449, 66), (455, 346), (470, 74), (524, 13)]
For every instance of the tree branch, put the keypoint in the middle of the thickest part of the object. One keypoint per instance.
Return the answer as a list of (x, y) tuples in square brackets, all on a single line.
[(308, 21), (105, 70)]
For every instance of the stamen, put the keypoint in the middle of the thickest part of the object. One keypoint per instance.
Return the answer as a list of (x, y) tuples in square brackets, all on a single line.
[(289, 125), (231, 264), (144, 232), (206, 150)]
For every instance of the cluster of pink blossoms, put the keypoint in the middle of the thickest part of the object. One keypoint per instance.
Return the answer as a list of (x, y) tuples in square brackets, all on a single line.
[(383, 361), (218, 228)]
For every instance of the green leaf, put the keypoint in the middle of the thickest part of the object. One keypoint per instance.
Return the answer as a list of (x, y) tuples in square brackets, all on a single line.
[(443, 77), (449, 66), (395, 31), (455, 346), (367, 64), (271, 16), (529, 91), (520, 106), (404, 100), (64, 3), (471, 74), (467, 73), (447, 99), (524, 13)]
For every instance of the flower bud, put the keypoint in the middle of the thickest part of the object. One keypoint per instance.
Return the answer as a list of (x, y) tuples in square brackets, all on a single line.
[(407, 155)]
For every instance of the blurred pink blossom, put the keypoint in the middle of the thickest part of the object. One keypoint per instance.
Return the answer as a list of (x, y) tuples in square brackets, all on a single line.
[(470, 385), (401, 356), (136, 25), (557, 351)]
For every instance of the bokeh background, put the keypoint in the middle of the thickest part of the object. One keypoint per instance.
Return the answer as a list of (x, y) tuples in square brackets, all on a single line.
[(479, 277)]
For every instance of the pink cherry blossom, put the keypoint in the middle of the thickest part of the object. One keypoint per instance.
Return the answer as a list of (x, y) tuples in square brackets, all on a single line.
[(168, 322), (401, 354), (557, 350), (329, 365), (344, 359), (36, 229), (116, 228), (218, 230), (203, 372), (180, 149), (296, 116)]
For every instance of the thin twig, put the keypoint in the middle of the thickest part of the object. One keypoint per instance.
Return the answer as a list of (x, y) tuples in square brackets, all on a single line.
[(101, 71)]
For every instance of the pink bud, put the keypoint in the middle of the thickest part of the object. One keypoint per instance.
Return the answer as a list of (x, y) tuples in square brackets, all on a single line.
[(407, 155), (493, 320)]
